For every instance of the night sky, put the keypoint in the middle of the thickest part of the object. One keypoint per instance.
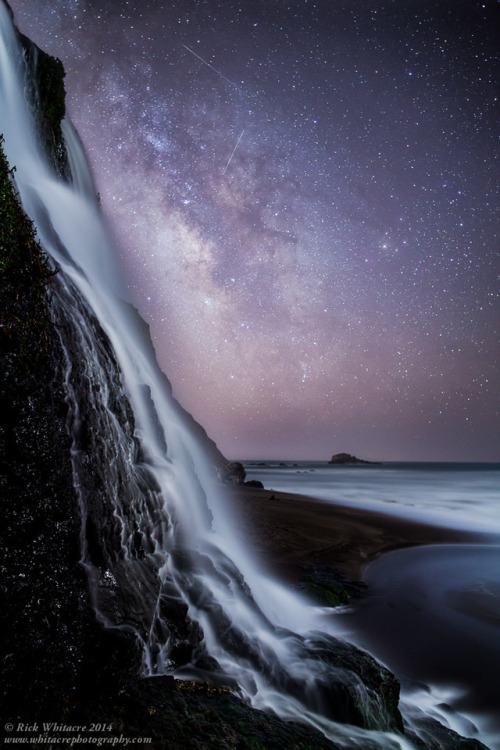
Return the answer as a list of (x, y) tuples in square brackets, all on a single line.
[(304, 198)]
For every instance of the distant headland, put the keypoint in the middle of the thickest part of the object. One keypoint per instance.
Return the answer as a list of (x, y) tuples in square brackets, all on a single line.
[(344, 459)]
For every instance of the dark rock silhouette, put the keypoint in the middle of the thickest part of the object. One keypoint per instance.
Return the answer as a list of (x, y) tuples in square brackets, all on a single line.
[(344, 459)]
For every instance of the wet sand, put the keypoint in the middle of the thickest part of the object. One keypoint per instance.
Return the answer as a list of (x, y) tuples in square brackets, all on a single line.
[(287, 531)]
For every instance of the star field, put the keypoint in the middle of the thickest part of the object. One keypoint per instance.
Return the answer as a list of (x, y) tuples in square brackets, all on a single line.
[(304, 199)]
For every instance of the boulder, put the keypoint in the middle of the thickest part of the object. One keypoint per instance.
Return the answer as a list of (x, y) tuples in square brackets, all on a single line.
[(254, 483)]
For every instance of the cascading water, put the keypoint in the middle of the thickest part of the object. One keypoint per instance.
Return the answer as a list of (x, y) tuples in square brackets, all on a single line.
[(156, 533)]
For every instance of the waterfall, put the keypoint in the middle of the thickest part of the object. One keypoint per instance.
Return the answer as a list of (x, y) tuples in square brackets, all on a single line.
[(156, 538)]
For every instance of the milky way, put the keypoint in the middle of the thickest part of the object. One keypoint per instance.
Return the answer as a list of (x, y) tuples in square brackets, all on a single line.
[(304, 199)]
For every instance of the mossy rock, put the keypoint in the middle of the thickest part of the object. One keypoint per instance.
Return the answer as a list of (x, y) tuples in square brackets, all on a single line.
[(328, 585), (332, 596)]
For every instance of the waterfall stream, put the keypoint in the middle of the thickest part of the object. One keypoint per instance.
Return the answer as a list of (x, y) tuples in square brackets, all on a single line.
[(157, 541)]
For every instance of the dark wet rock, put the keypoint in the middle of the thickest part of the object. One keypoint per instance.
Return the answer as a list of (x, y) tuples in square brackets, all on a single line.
[(47, 96), (354, 671), (429, 734), (344, 459), (232, 472), (329, 585), (180, 714), (254, 483)]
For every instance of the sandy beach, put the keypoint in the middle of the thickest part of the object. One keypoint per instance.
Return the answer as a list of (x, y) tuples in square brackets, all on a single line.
[(288, 531)]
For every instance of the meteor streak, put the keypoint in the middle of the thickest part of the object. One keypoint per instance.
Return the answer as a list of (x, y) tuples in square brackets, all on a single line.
[(234, 149), (210, 66)]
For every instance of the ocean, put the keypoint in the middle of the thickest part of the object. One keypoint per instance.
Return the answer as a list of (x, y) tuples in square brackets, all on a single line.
[(432, 613), (459, 496)]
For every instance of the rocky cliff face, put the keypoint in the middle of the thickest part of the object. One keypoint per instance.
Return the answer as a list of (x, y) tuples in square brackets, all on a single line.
[(51, 645)]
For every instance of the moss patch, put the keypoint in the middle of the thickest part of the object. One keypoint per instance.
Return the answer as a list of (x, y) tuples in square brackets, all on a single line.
[(326, 593)]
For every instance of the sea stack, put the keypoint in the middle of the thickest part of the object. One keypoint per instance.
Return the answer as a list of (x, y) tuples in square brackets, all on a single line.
[(343, 459)]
